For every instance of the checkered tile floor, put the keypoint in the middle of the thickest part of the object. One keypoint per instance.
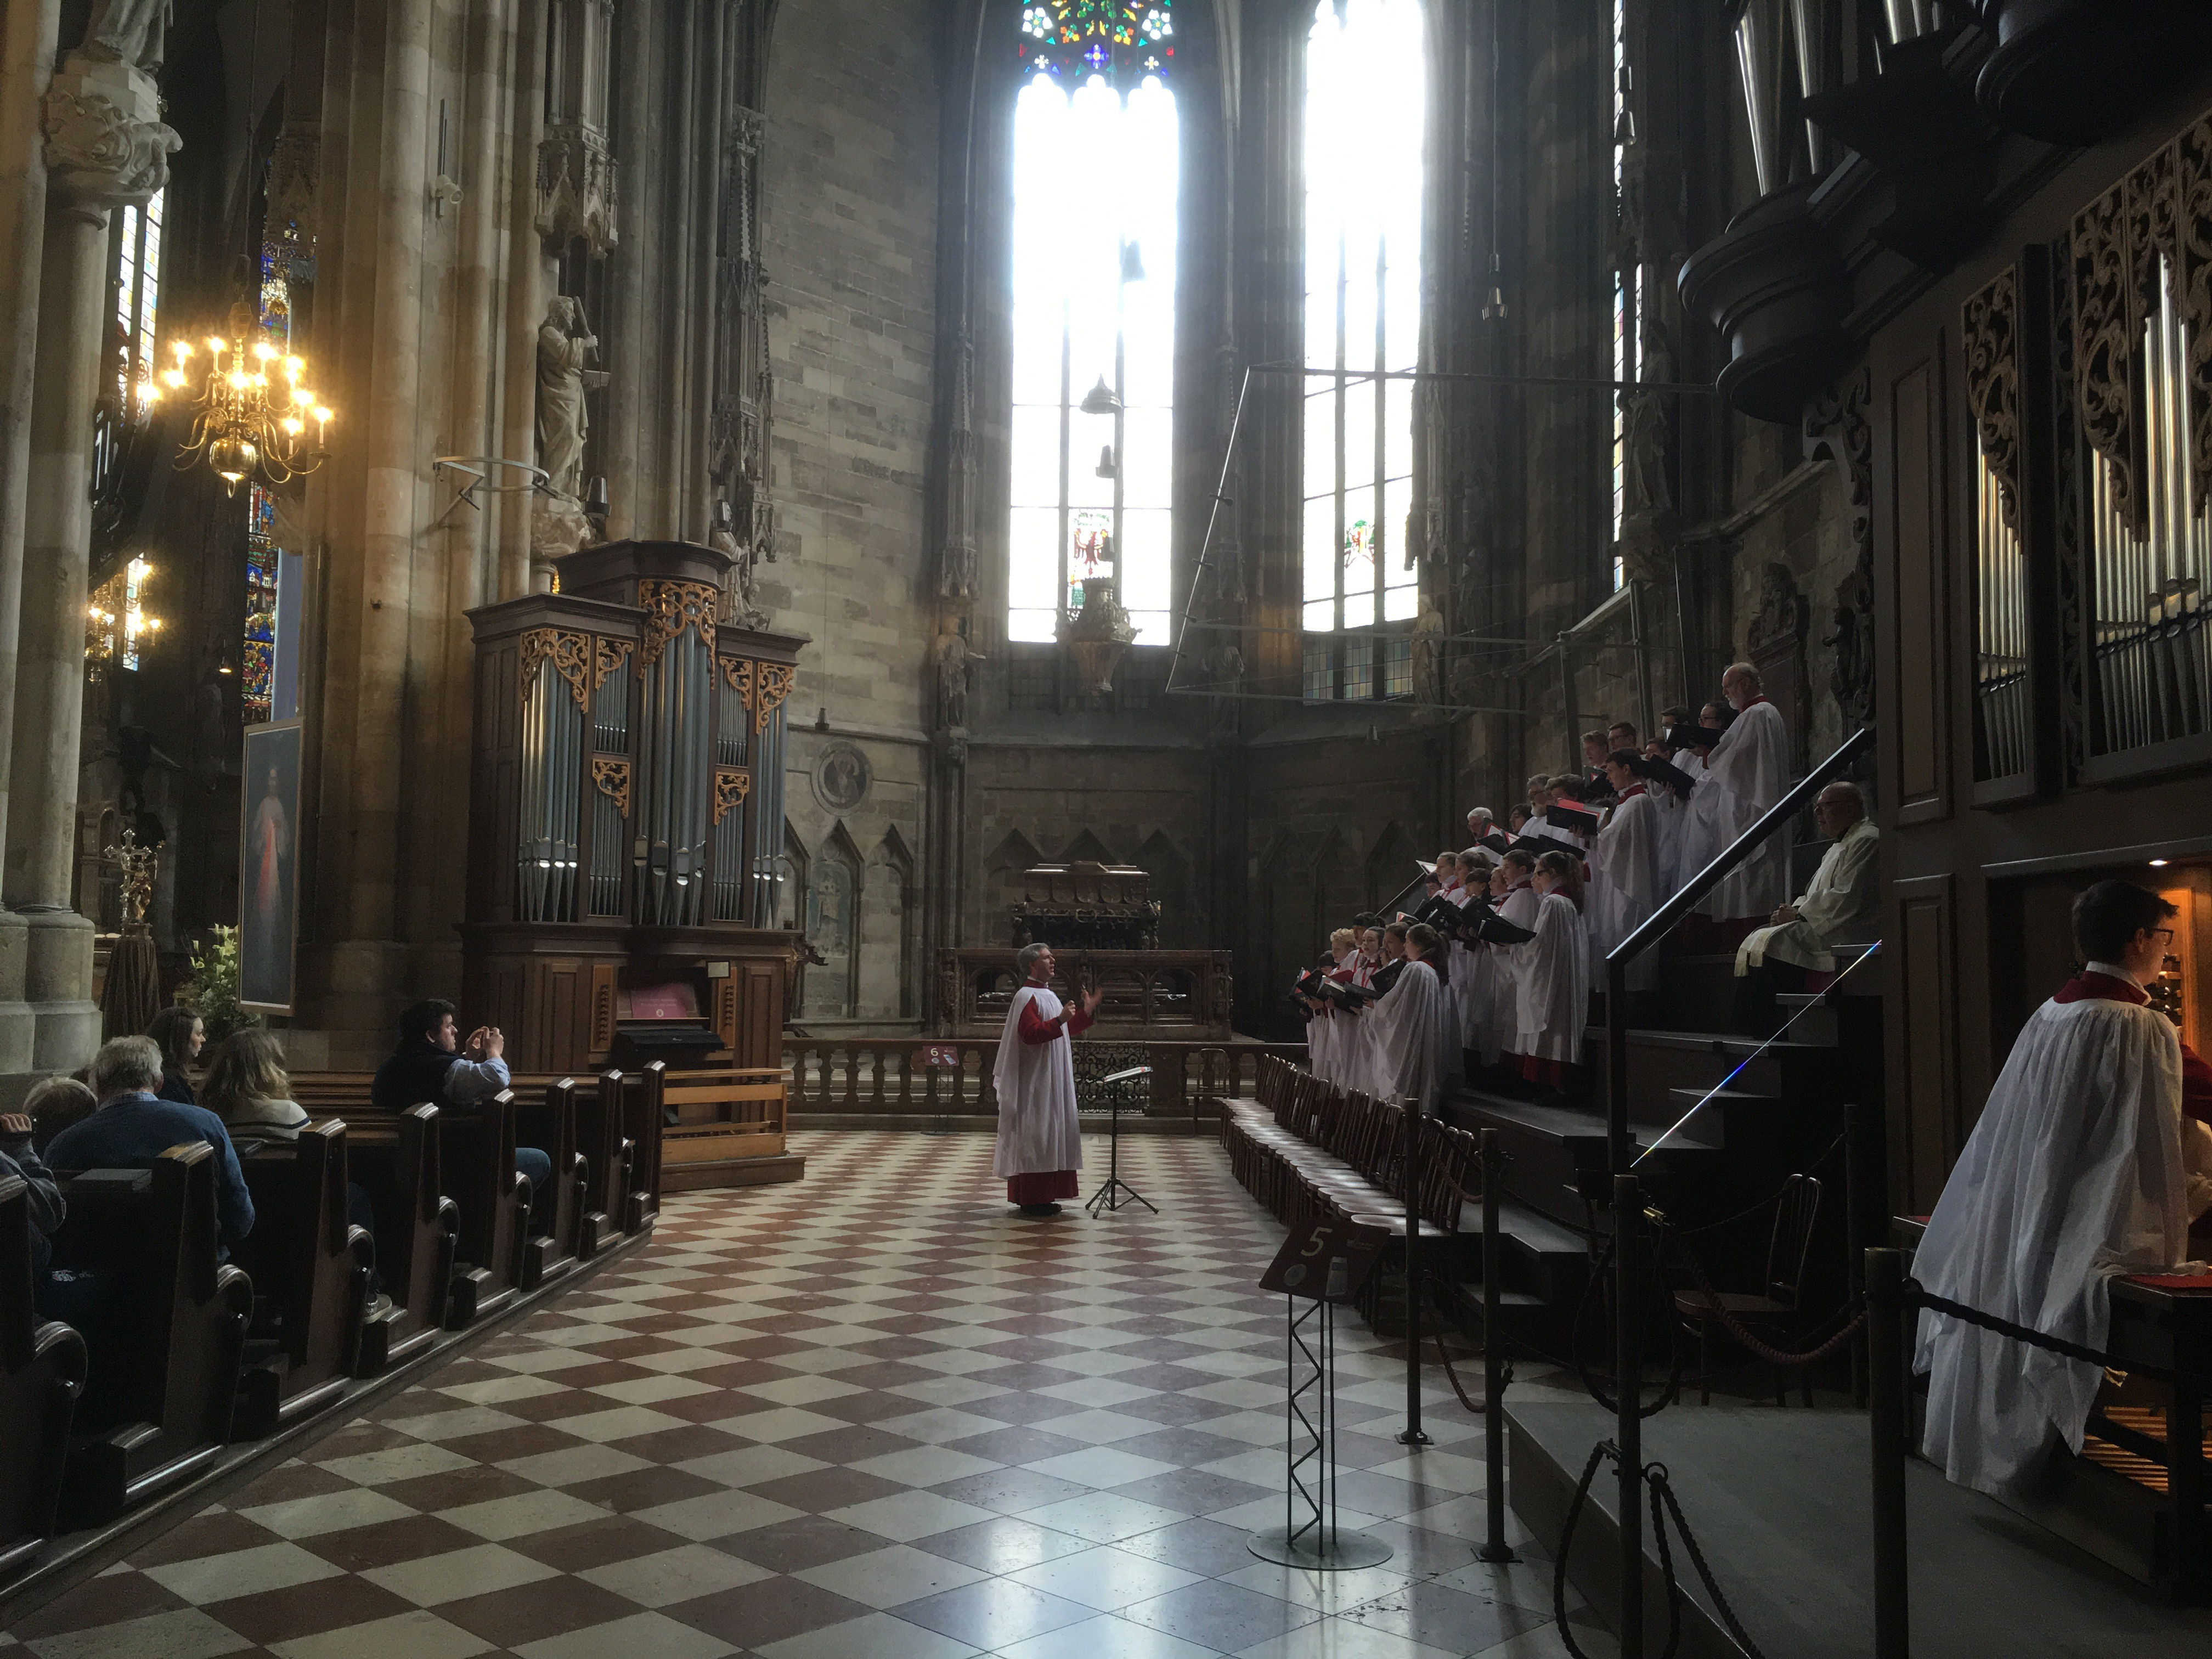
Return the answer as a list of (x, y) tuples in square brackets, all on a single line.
[(873, 1416)]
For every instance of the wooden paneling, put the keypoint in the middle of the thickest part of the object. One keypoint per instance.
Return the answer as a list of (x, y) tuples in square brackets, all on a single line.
[(1920, 668), (760, 1011), (1925, 1127)]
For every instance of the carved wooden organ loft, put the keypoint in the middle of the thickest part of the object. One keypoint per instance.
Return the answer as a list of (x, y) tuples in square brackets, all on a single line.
[(626, 827)]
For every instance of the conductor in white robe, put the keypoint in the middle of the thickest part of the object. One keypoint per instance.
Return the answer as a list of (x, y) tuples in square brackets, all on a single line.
[(2077, 1170), (1040, 1137), (1751, 763)]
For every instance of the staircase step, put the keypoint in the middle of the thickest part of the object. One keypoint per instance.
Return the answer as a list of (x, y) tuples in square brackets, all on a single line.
[(1737, 1048)]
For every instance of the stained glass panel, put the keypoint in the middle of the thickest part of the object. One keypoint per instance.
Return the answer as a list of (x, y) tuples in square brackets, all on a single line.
[(1094, 282), (258, 658)]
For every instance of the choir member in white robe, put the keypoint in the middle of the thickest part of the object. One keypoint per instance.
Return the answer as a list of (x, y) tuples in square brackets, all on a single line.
[(1844, 902), (1415, 1037), (1624, 872), (1327, 1031), (1554, 1004), (1751, 763), (1473, 966), (1353, 1044), (2075, 1172), (1516, 898), (1040, 1146), (1709, 819)]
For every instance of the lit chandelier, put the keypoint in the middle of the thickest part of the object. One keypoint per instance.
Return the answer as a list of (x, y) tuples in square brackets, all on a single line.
[(255, 408)]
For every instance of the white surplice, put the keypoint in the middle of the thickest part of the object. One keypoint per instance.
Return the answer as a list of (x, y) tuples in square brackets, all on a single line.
[(1554, 1001), (1751, 763), (1623, 885), (1411, 1024), (1674, 812), (1038, 1129), (2073, 1173), (1502, 1015), (1842, 905)]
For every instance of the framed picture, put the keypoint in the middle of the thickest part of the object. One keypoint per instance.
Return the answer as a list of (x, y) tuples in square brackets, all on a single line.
[(269, 881)]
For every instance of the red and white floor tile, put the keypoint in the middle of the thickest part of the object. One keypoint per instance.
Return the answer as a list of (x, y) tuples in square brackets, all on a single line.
[(873, 1416)]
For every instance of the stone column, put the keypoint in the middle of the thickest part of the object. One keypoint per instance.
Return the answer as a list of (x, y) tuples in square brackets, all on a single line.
[(105, 148), (28, 34)]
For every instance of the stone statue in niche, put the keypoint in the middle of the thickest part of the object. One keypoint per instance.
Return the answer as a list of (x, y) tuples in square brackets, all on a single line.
[(1224, 669), (953, 654), (1428, 652), (1775, 645), (1645, 429), (562, 424), (740, 601), (133, 32)]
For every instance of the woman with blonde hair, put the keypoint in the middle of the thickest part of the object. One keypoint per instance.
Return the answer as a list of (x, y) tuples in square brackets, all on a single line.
[(246, 1087)]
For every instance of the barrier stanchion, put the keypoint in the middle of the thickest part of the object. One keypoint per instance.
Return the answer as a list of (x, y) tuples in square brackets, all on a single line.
[(1409, 1184), (1885, 1435), (1494, 1546), (1628, 1391)]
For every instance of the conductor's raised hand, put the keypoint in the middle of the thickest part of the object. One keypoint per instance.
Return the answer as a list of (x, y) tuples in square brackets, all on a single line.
[(1091, 998)]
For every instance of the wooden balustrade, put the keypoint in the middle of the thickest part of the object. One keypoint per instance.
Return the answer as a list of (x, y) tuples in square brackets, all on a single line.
[(911, 1077)]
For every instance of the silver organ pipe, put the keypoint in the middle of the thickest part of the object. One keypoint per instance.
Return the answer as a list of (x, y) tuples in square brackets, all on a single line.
[(2000, 657), (2151, 662)]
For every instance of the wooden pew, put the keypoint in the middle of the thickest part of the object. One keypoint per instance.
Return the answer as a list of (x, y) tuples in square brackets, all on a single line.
[(607, 1152), (477, 1146), (572, 1233), (42, 1370), (165, 1351), (310, 1270), (417, 1232), (644, 1115)]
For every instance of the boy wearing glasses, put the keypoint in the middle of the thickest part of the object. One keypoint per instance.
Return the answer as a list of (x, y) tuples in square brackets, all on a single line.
[(2088, 1160)]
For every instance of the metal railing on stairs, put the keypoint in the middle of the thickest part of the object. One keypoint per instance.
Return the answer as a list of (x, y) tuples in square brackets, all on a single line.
[(1661, 921)]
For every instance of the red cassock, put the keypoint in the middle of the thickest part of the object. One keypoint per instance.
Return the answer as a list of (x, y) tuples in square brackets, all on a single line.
[(1049, 1185)]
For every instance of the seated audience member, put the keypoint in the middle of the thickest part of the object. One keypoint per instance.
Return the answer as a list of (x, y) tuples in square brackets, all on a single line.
[(433, 1064), (19, 1157), (247, 1087), (1843, 905), (2080, 1168), (134, 1125), (55, 1103), (180, 1034), (1554, 981)]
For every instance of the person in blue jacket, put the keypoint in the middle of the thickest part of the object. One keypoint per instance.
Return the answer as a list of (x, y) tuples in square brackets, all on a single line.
[(134, 1125)]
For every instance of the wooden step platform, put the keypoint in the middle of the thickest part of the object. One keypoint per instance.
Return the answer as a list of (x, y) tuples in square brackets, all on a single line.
[(1778, 1499)]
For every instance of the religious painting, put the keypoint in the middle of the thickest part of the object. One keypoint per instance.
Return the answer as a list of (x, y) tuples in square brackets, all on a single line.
[(842, 777), (269, 867)]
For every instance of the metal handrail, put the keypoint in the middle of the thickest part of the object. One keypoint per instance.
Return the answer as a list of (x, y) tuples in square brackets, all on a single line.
[(1661, 923)]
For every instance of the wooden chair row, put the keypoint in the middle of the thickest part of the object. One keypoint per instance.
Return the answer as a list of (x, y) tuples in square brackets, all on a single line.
[(169, 1353)]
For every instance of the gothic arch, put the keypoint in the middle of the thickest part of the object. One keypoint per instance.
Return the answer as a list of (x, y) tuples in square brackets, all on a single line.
[(887, 973), (1087, 846), (832, 921)]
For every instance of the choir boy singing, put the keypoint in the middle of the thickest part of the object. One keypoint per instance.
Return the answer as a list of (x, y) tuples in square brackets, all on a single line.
[(1624, 866), (1554, 980), (1414, 1025)]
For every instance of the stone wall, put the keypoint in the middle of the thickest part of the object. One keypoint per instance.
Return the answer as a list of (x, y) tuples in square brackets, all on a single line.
[(849, 233)]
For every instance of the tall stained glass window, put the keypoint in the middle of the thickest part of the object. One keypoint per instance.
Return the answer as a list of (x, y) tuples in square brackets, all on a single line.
[(138, 303), (1097, 173), (1366, 108)]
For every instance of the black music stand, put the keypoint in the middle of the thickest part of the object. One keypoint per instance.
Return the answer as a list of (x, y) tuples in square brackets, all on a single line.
[(1113, 1192)]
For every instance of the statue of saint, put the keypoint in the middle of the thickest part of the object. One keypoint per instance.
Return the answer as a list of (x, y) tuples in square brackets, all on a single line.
[(562, 423), (133, 32), (953, 654), (1428, 652)]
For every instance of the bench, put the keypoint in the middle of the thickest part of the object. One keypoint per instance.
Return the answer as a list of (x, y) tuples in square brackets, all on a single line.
[(166, 1353), (42, 1371), (1309, 1149), (311, 1269), (498, 1254), (396, 1160)]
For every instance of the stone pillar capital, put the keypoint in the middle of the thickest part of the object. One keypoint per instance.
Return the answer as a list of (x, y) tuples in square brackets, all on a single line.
[(107, 146)]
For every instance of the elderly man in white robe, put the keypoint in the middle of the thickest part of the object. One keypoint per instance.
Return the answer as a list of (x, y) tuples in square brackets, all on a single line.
[(1040, 1137), (1843, 905), (2081, 1167)]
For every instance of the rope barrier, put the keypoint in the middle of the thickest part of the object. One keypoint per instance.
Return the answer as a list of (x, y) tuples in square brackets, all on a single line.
[(1760, 1350), (1917, 1297), (1770, 1200), (1664, 1505)]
